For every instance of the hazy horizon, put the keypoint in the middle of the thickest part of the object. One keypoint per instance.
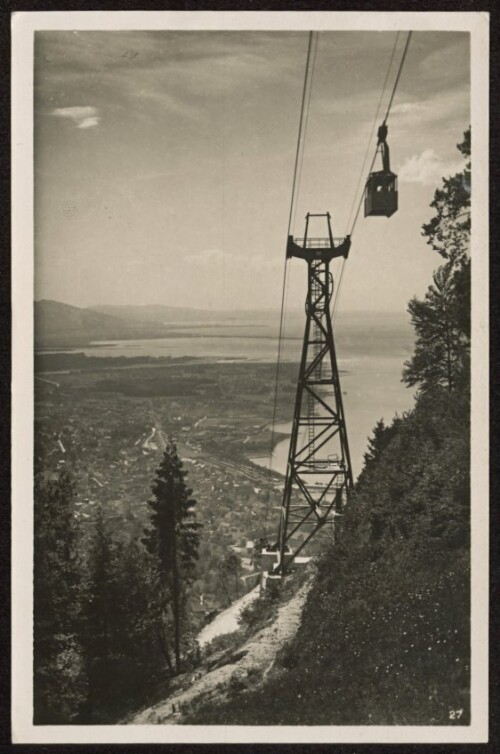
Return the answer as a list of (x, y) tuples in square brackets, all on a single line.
[(299, 310)]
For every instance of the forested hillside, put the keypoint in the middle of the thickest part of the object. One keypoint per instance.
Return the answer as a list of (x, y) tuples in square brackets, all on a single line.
[(385, 634)]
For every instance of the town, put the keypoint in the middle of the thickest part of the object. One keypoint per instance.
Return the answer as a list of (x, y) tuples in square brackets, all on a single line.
[(109, 432)]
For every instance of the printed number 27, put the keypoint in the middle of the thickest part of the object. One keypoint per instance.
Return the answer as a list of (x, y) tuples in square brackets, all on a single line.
[(456, 714)]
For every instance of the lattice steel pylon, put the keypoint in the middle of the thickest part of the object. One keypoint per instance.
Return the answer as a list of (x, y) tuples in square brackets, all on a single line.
[(319, 474)]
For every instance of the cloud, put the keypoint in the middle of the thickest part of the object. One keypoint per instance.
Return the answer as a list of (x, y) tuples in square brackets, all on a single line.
[(207, 256), (407, 107), (89, 122), (82, 117), (439, 108), (427, 168), (177, 72)]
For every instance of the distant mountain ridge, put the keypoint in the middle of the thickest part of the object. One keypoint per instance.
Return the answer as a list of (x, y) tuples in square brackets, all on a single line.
[(59, 325), (63, 325), (162, 314)]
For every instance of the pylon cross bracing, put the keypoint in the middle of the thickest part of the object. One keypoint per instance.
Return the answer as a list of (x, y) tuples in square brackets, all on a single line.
[(319, 474)]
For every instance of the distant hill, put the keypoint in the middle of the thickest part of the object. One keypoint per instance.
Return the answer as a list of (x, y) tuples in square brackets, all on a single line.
[(178, 314), (62, 325)]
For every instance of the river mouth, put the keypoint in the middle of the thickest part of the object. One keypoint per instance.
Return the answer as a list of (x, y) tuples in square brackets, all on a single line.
[(371, 390), (278, 461)]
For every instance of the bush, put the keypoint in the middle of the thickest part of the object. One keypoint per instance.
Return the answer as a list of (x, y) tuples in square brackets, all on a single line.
[(222, 642), (259, 612)]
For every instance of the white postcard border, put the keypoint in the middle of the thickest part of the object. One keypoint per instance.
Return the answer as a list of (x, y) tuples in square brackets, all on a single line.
[(24, 26)]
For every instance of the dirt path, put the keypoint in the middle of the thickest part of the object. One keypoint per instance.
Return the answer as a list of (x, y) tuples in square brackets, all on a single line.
[(227, 621), (257, 653)]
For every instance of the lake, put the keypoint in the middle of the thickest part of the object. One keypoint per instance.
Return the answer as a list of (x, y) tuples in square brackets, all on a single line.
[(372, 390), (371, 349)]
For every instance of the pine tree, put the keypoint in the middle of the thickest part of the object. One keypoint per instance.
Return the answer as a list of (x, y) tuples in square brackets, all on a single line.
[(382, 435), (97, 617), (59, 679), (443, 331), (229, 572), (173, 540), (448, 231), (442, 319), (118, 633)]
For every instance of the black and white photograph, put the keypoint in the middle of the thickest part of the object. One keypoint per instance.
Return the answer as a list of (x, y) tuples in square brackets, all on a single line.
[(250, 375)]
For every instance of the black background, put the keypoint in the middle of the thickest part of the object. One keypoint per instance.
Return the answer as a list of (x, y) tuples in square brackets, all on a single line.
[(6, 9)]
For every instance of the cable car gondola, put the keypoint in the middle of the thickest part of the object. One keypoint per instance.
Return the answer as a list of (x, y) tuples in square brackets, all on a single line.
[(381, 191)]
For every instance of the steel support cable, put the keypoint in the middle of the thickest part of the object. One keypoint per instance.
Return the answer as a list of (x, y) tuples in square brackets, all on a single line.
[(337, 297), (403, 58), (362, 171), (337, 292), (363, 194), (304, 118), (304, 130), (394, 88), (302, 126), (339, 285), (372, 131), (396, 82)]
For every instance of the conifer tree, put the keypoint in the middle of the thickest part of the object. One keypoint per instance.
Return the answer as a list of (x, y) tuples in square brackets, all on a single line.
[(442, 319), (229, 571), (59, 685), (448, 231), (442, 342), (97, 622), (118, 633), (172, 539)]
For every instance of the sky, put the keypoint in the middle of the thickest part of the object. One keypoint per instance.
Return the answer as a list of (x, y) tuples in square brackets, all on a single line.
[(164, 162)]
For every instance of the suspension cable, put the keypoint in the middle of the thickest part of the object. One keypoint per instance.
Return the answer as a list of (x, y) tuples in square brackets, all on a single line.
[(363, 195), (403, 58), (299, 153), (396, 82), (337, 293), (362, 173), (401, 64), (304, 129), (301, 127), (375, 120)]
